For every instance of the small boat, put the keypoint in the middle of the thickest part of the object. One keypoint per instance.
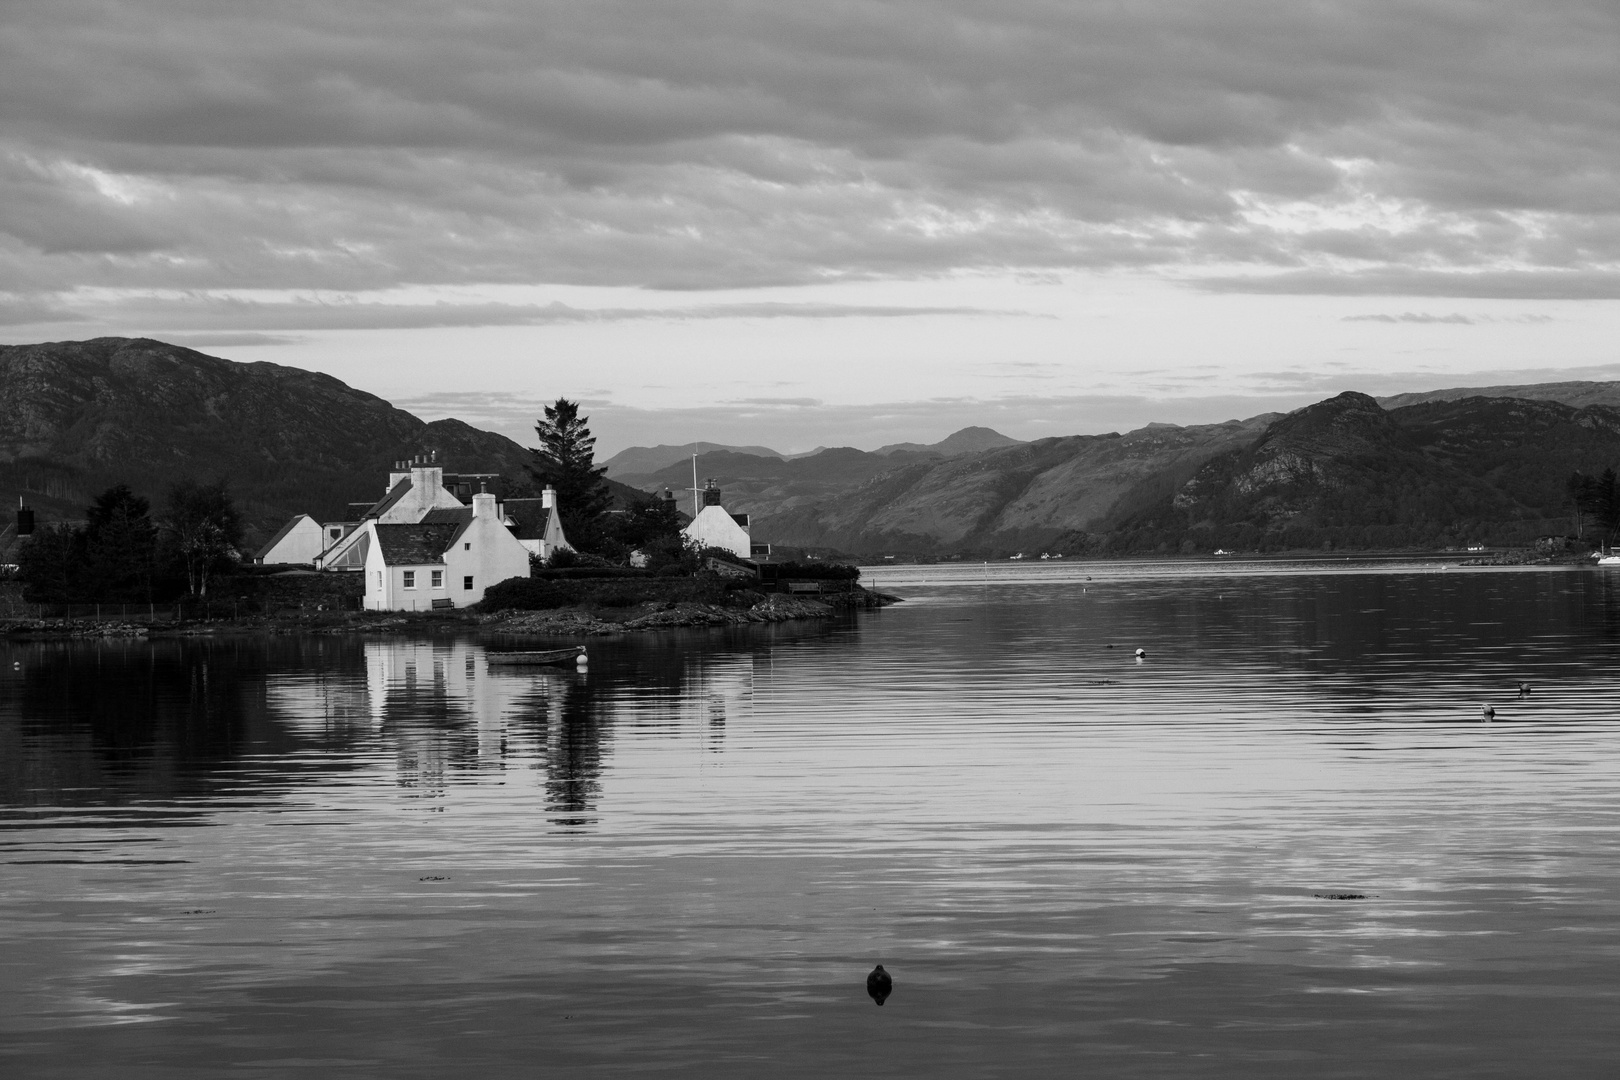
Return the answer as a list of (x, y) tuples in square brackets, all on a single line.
[(1609, 560), (548, 656)]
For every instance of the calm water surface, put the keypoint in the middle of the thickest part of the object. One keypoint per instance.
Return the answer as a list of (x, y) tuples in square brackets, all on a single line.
[(327, 856)]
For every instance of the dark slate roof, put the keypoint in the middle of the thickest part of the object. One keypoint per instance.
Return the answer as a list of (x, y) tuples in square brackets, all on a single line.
[(414, 545), (529, 517), (276, 539), (382, 505), (448, 515)]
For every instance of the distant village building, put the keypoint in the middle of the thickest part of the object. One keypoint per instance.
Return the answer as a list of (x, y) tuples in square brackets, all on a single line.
[(301, 540), (448, 559), (434, 539), (715, 527)]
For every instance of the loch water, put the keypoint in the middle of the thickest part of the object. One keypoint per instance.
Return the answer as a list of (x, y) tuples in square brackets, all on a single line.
[(1283, 843)]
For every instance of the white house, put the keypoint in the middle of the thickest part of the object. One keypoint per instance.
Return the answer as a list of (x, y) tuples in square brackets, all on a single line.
[(301, 540), (448, 559), (537, 523), (714, 527)]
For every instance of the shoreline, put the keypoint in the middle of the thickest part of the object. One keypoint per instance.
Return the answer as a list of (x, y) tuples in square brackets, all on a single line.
[(583, 621)]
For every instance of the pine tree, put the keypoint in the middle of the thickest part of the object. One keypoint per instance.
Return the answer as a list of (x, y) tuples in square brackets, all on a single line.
[(565, 459)]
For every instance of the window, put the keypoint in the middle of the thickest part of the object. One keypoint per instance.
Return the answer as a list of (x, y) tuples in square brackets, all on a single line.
[(438, 579), (467, 547), (337, 534), (410, 579), (379, 579), (466, 582)]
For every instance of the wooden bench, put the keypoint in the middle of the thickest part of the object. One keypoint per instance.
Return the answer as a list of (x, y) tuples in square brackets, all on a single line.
[(443, 602)]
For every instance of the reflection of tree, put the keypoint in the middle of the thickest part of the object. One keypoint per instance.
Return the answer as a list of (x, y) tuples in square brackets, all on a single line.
[(574, 748)]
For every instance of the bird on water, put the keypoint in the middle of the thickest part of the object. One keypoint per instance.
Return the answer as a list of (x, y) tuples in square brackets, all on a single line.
[(1141, 652), (879, 984), (1524, 688), (1489, 712)]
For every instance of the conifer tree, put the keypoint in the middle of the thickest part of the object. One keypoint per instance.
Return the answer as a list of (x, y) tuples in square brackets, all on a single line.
[(565, 459)]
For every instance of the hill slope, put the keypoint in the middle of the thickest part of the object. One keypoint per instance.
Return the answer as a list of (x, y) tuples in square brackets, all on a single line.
[(80, 416)]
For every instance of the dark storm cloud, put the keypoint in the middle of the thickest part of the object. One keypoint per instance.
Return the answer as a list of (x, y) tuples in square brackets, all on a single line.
[(701, 144)]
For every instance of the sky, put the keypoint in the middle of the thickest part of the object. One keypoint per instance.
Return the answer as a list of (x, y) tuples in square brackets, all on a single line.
[(833, 222)]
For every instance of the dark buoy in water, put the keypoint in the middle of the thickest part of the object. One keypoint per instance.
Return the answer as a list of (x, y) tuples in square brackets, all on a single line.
[(1141, 653), (1489, 712), (879, 984)]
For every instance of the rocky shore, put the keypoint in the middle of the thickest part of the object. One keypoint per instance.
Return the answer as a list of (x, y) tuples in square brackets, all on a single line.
[(556, 622), (576, 622)]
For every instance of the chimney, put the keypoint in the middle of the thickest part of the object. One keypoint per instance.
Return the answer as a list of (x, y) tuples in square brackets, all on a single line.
[(426, 480), (25, 518), (483, 505), (548, 498), (669, 496), (711, 492)]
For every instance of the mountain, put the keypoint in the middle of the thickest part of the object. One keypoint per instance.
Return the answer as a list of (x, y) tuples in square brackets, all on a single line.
[(1576, 394), (970, 440), (1014, 497), (1342, 473), (641, 460), (80, 416)]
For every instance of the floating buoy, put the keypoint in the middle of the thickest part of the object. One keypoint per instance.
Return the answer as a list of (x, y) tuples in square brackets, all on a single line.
[(1141, 653), (580, 660), (1524, 688), (880, 984), (1489, 713)]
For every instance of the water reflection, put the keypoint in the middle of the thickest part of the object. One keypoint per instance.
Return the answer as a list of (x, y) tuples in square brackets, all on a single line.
[(685, 859)]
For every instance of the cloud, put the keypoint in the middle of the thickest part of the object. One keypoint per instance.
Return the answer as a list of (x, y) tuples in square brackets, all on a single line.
[(234, 320), (700, 144), (1486, 285), (1456, 318), (229, 340)]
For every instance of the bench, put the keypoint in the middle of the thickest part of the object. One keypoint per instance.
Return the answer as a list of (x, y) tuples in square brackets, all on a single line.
[(443, 602)]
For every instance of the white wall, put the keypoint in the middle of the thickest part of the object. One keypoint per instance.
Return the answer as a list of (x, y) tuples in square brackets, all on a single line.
[(301, 545), (486, 551), (713, 527)]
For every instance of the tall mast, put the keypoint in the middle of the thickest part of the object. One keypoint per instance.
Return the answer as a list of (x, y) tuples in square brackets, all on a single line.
[(695, 506)]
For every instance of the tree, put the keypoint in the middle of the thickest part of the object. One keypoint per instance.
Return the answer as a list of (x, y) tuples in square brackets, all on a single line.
[(51, 564), (204, 529), (120, 546), (565, 459), (1599, 498)]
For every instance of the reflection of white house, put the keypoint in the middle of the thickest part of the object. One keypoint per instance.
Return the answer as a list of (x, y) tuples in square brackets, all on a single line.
[(301, 540), (714, 527), (447, 559)]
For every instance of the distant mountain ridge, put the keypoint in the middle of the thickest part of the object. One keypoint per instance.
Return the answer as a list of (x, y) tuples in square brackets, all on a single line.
[(1345, 472), (1575, 394), (80, 416), (636, 464)]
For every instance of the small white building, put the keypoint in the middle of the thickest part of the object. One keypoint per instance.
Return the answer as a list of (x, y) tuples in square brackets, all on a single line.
[(300, 541), (714, 527), (537, 523), (448, 559)]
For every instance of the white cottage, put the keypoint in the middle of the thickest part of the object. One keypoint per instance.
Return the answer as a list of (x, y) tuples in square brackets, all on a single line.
[(300, 541), (714, 527), (537, 523), (448, 559)]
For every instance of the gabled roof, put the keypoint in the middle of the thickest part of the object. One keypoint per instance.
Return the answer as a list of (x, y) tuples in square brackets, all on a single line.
[(415, 545), (281, 535), (448, 515), (529, 517), (384, 504)]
